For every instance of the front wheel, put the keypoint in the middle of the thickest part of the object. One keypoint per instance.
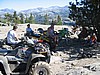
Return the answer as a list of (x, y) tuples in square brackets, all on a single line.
[(40, 68)]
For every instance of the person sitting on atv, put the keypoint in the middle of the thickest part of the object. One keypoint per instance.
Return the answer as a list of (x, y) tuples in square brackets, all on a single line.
[(29, 31), (12, 37), (51, 34), (93, 39)]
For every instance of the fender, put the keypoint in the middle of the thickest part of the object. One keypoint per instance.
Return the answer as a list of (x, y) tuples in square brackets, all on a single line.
[(32, 57), (37, 56), (4, 62)]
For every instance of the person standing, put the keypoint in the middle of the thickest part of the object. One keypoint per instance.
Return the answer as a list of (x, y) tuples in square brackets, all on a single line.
[(52, 37)]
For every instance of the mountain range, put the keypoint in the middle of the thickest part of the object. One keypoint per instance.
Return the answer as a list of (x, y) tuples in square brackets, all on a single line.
[(51, 11), (38, 13)]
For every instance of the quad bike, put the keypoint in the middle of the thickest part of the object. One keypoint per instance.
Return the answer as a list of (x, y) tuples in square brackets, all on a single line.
[(62, 37), (28, 59), (63, 33), (49, 41), (46, 40)]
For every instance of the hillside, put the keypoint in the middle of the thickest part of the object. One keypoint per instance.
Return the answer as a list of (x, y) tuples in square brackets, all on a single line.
[(39, 13)]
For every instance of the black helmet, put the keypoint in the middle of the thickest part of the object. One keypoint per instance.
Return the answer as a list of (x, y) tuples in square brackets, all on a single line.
[(15, 27), (28, 25)]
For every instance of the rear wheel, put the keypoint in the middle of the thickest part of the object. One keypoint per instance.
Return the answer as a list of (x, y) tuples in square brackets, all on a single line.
[(40, 68)]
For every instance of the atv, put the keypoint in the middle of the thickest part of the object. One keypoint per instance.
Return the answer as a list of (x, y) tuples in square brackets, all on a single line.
[(29, 59), (42, 35)]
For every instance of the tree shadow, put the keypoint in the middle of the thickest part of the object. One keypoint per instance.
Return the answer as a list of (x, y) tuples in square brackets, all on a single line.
[(76, 49)]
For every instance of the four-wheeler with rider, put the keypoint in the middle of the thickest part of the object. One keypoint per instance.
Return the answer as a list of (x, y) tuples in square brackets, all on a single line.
[(28, 59)]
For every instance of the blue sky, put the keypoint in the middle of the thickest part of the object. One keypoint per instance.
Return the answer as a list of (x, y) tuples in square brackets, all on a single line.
[(29, 4)]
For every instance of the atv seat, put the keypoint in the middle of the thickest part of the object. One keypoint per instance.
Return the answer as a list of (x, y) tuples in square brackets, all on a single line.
[(6, 43), (12, 46)]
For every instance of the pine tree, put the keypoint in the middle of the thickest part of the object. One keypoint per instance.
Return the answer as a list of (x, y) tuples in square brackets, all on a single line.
[(16, 19), (31, 18), (21, 18), (26, 20), (8, 17), (59, 21), (46, 21), (86, 13)]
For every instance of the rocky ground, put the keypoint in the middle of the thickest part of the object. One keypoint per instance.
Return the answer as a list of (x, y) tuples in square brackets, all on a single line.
[(66, 60)]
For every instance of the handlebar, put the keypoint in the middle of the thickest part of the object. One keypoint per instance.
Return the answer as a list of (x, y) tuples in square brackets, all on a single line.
[(29, 42)]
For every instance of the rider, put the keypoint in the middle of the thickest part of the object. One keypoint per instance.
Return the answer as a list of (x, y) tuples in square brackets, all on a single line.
[(93, 39), (50, 32), (29, 31), (12, 37)]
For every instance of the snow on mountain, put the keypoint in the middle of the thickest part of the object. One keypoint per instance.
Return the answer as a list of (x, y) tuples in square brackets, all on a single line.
[(6, 10), (53, 10)]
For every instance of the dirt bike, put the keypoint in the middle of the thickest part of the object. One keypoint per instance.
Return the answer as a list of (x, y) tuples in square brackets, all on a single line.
[(28, 59)]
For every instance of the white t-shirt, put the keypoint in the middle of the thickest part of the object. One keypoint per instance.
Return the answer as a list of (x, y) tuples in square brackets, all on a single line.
[(11, 37)]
